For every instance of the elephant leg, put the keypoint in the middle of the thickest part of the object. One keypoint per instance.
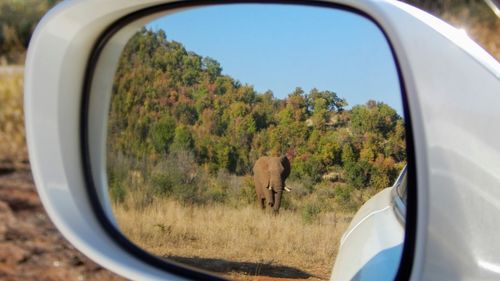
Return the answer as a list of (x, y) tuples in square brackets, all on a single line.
[(262, 202), (260, 195), (277, 203), (269, 197)]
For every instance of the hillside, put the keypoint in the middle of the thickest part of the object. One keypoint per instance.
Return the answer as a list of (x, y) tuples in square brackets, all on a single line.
[(173, 110)]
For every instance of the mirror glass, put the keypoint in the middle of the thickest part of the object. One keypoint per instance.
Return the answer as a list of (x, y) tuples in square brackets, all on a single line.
[(260, 141)]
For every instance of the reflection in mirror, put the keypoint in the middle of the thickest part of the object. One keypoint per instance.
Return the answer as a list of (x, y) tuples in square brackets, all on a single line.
[(244, 139)]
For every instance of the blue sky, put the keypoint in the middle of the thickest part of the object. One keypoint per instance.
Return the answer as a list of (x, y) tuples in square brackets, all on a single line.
[(280, 47)]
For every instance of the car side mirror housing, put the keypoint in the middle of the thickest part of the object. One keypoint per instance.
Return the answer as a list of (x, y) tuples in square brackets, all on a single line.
[(450, 97)]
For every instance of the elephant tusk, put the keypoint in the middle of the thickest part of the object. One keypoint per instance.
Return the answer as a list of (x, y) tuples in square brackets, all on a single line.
[(288, 189)]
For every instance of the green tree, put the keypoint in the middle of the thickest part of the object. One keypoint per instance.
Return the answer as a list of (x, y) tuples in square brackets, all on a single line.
[(162, 134), (183, 139), (212, 67)]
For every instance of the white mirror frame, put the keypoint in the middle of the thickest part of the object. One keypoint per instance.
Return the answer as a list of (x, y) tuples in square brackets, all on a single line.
[(452, 92)]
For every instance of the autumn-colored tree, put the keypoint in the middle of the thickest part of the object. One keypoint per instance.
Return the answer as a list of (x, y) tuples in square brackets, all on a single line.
[(169, 102)]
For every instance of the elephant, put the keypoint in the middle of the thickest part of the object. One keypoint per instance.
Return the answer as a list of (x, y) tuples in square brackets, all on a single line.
[(269, 174)]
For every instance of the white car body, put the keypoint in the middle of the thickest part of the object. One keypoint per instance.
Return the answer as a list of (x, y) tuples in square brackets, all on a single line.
[(372, 245), (452, 95)]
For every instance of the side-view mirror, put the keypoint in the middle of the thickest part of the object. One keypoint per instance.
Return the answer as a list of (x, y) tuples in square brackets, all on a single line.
[(248, 139)]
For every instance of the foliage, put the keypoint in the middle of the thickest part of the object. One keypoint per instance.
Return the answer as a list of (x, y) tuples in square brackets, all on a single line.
[(13, 151), (162, 134), (17, 22), (193, 134), (180, 177), (310, 212)]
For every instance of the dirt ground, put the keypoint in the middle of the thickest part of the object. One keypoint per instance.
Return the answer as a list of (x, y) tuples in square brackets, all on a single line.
[(30, 246)]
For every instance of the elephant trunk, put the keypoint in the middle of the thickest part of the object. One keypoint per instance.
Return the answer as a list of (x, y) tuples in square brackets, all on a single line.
[(277, 201)]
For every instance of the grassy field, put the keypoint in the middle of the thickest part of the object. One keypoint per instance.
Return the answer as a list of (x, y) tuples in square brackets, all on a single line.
[(13, 150), (239, 243)]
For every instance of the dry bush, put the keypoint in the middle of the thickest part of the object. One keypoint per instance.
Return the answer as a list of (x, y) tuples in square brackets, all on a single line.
[(234, 235), (12, 136)]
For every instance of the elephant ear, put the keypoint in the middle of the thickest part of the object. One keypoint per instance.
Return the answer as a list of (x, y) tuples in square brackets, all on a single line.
[(286, 166)]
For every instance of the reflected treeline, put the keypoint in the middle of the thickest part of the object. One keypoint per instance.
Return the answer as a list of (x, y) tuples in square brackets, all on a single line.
[(179, 127)]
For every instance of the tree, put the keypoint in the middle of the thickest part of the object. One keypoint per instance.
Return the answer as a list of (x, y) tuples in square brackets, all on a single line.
[(183, 139), (162, 134), (212, 67), (17, 22), (331, 101), (375, 117)]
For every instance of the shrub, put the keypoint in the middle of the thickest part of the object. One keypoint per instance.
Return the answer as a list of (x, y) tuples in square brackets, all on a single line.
[(162, 134), (118, 171), (246, 191), (12, 135), (238, 190), (326, 190), (343, 194), (216, 195), (162, 183), (117, 192), (190, 193), (309, 169), (180, 177), (310, 212), (358, 174), (300, 188)]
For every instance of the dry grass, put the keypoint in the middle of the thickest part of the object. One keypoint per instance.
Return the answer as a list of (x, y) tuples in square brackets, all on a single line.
[(12, 136), (239, 243)]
